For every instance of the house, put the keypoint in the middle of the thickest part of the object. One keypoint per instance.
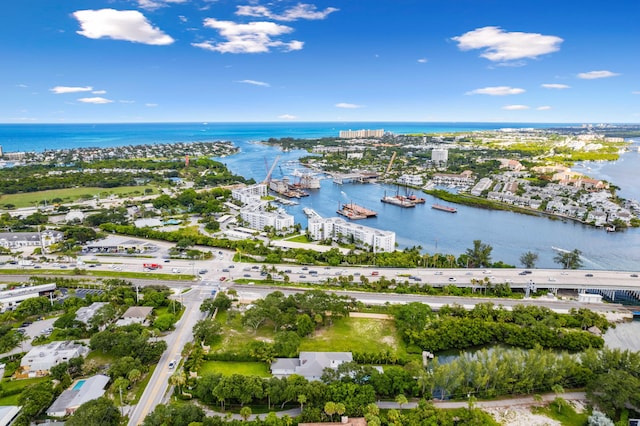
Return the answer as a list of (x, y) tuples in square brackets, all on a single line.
[(39, 360), (135, 315), (82, 391), (44, 239), (8, 414), (309, 365), (85, 313)]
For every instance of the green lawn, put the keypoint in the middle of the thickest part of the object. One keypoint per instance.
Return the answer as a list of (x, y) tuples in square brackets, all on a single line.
[(67, 195), (228, 368), (565, 414), (13, 385), (299, 239), (358, 335), (236, 336)]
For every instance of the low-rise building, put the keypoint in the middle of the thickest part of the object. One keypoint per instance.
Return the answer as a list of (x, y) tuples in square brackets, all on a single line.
[(83, 390), (135, 315), (309, 365), (39, 360), (85, 313), (44, 239)]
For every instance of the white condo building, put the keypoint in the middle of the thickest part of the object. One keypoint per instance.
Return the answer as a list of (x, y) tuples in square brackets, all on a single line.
[(363, 236), (250, 194), (440, 155), (259, 219), (364, 133)]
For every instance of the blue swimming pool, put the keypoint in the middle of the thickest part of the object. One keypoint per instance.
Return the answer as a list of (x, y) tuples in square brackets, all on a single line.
[(78, 385)]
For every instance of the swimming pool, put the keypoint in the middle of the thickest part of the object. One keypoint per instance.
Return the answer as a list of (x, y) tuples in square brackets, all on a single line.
[(78, 385)]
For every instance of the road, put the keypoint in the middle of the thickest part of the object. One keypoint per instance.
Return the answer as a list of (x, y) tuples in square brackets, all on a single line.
[(158, 384), (248, 293)]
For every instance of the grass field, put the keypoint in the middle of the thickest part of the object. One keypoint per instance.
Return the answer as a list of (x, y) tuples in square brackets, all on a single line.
[(358, 335), (29, 199), (228, 368), (236, 336)]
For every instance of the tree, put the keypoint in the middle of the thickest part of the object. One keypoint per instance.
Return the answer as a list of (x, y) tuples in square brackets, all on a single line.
[(245, 413), (178, 379), (479, 255), (529, 259), (401, 400), (330, 409), (207, 331), (100, 411), (569, 260)]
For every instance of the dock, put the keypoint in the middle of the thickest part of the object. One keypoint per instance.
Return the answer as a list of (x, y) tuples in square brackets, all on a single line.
[(354, 211)]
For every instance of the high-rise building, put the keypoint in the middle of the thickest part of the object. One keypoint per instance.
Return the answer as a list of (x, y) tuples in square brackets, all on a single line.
[(439, 155)]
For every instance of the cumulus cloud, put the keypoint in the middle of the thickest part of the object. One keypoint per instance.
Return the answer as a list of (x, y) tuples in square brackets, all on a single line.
[(254, 82), (300, 11), (287, 117), (515, 107), (95, 100), (128, 25), (497, 91), (423, 60), (499, 45), (253, 37), (543, 108), (347, 105), (592, 75), (555, 86), (59, 90), (99, 92)]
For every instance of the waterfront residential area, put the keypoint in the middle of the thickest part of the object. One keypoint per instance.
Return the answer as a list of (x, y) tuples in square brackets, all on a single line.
[(363, 276)]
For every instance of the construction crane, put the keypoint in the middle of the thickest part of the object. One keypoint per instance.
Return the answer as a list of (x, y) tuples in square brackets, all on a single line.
[(267, 179), (393, 157)]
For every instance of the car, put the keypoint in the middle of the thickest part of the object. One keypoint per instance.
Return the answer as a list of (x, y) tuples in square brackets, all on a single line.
[(172, 363), (417, 279), (202, 271), (21, 330), (438, 272), (225, 269), (247, 275), (26, 324), (231, 266), (552, 279), (305, 268), (634, 275), (223, 278), (486, 272), (356, 274), (246, 269), (588, 275), (452, 279), (37, 267), (522, 273), (167, 260), (255, 267), (303, 276), (287, 271), (374, 273), (526, 271)]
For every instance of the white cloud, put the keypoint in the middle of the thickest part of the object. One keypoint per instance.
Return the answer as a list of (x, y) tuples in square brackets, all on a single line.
[(499, 45), (95, 100), (497, 91), (128, 25), (287, 117), (592, 75), (126, 101), (555, 86), (253, 37), (347, 105), (23, 85), (58, 90), (155, 4), (151, 105), (636, 92), (423, 60), (300, 11), (99, 92), (543, 108), (515, 107), (254, 82)]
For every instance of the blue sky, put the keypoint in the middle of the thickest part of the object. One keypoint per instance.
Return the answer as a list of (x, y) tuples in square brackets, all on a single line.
[(331, 60)]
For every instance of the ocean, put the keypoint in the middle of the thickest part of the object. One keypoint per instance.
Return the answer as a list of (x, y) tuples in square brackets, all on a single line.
[(509, 234)]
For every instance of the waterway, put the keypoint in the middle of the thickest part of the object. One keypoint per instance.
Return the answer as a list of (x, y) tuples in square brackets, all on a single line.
[(510, 234)]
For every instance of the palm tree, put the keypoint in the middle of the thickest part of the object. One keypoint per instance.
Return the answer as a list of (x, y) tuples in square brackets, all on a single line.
[(330, 409), (302, 399), (401, 400), (480, 254), (178, 379), (245, 413), (529, 259)]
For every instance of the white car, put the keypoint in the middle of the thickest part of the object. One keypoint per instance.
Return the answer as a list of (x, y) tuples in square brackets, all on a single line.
[(172, 364)]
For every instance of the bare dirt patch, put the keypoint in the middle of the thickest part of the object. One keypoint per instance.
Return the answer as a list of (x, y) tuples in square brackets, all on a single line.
[(520, 417)]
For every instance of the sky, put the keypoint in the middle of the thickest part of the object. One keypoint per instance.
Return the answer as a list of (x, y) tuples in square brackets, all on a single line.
[(544, 61)]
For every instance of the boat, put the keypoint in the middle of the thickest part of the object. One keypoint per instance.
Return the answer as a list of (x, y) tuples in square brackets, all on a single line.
[(397, 201), (444, 208), (353, 211)]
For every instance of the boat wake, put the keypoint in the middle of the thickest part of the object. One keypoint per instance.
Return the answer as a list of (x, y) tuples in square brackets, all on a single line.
[(560, 249)]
